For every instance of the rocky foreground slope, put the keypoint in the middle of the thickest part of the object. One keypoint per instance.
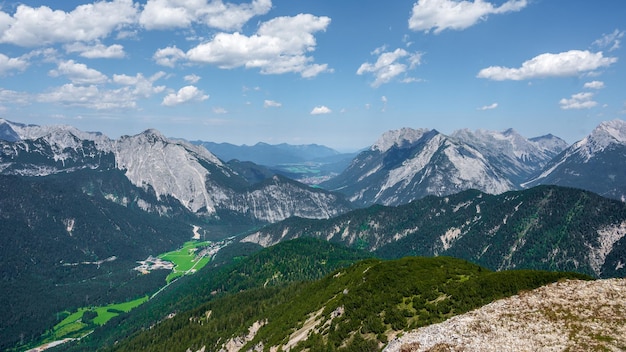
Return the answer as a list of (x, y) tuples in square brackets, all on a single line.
[(565, 316)]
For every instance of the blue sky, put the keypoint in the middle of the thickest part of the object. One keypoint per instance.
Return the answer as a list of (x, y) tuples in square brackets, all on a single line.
[(338, 73)]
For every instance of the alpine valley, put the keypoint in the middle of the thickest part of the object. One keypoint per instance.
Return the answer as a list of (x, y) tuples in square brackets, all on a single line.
[(325, 262)]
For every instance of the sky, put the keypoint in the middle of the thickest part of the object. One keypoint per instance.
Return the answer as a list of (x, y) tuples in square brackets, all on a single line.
[(336, 73)]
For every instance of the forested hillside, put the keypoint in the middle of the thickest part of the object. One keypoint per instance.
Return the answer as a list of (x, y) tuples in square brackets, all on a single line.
[(236, 268), (355, 309), (546, 227)]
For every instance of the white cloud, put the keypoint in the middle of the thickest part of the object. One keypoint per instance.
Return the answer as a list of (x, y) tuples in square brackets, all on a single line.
[(12, 64), (456, 15), (97, 51), (184, 95), (89, 97), (578, 101), (30, 26), (389, 65), (97, 96), (489, 107), (78, 73), (611, 41), (271, 104), (594, 85), (168, 14), (219, 110), (279, 46), (141, 86), (168, 56), (569, 63), (320, 110), (13, 97), (193, 78)]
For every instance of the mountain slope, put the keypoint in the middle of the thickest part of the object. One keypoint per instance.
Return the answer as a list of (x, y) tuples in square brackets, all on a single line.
[(408, 164), (545, 227), (358, 308), (596, 163), (565, 316), (72, 240)]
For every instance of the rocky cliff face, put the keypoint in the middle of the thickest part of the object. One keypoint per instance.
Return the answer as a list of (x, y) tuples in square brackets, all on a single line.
[(564, 316)]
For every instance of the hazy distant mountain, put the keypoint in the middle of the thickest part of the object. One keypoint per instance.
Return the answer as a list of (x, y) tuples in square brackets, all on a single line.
[(307, 163), (596, 163), (170, 169), (269, 154), (408, 164)]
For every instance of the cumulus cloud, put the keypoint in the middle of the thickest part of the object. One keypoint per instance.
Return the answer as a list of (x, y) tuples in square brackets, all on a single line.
[(193, 78), (168, 56), (97, 96), (97, 51), (184, 95), (8, 64), (89, 96), (320, 110), (139, 85), (457, 15), (578, 101), (612, 41), (489, 107), (30, 26), (594, 85), (389, 65), (78, 73), (271, 104), (569, 63), (169, 14), (13, 97), (279, 46)]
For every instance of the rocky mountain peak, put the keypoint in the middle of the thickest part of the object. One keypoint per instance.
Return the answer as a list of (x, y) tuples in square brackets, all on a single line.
[(609, 132), (402, 138)]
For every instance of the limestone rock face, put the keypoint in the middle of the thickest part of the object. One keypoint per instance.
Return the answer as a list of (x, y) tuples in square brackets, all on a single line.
[(564, 316)]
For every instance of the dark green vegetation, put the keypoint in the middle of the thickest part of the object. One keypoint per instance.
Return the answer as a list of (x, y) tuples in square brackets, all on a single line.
[(546, 227), (353, 309), (236, 268)]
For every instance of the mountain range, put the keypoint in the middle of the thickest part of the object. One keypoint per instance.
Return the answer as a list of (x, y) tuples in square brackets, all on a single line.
[(78, 209), (409, 164), (166, 168)]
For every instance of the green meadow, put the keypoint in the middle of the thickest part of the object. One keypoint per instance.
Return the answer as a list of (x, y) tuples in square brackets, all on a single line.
[(185, 259), (76, 325)]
